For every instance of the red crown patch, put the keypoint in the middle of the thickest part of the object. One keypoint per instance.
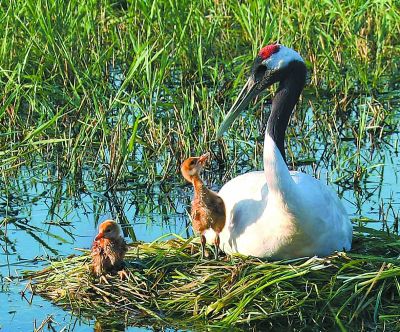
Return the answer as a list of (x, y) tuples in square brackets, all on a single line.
[(268, 50)]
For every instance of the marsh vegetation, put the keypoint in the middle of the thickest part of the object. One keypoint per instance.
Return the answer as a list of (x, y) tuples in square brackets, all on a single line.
[(102, 100)]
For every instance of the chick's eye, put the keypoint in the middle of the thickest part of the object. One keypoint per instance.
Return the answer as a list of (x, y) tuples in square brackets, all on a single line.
[(108, 230), (192, 162)]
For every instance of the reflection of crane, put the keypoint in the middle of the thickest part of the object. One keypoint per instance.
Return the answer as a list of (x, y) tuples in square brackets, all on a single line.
[(276, 212)]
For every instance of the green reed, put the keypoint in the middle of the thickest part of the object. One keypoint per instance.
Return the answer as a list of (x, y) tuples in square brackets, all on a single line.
[(88, 82)]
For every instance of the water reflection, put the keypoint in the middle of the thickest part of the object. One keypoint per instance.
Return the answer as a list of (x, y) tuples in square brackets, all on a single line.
[(41, 223), (43, 218)]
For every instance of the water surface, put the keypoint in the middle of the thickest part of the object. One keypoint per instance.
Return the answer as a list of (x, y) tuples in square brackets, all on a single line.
[(44, 218)]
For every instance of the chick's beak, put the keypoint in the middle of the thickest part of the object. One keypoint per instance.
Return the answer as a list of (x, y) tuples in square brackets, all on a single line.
[(202, 159), (99, 236)]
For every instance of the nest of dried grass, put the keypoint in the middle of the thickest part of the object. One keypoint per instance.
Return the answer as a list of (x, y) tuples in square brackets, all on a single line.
[(170, 285)]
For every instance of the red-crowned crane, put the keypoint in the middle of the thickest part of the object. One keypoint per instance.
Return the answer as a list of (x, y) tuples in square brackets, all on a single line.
[(279, 213)]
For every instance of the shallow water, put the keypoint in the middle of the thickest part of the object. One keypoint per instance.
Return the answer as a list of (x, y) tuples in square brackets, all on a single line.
[(34, 239), (43, 219), (78, 227)]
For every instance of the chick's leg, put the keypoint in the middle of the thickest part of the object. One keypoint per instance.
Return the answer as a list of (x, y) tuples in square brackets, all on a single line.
[(103, 279), (216, 246), (203, 246), (123, 275)]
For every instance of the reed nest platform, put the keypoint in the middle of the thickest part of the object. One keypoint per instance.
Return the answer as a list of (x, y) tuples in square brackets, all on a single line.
[(170, 285)]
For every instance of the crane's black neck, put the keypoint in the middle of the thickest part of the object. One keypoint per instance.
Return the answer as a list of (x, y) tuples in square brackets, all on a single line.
[(290, 86)]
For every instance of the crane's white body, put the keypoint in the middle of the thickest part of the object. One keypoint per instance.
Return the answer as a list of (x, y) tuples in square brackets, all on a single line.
[(280, 214), (276, 213)]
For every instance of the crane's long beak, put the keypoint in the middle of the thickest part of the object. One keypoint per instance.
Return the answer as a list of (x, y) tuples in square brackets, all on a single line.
[(248, 92)]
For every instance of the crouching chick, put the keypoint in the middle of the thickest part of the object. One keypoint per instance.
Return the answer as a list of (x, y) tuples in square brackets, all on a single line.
[(108, 251)]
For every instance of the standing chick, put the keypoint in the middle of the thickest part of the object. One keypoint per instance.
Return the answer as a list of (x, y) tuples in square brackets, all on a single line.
[(108, 251), (208, 209)]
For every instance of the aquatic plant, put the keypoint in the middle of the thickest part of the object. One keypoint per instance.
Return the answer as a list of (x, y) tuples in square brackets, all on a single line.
[(119, 83)]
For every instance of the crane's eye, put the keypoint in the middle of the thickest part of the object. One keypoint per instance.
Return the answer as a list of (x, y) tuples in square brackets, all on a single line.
[(259, 73)]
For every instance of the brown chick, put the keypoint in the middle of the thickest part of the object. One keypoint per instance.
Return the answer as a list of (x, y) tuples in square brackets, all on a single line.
[(108, 251), (208, 209)]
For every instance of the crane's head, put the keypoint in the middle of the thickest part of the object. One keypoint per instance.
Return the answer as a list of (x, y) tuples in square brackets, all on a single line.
[(108, 229), (193, 166), (272, 64)]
